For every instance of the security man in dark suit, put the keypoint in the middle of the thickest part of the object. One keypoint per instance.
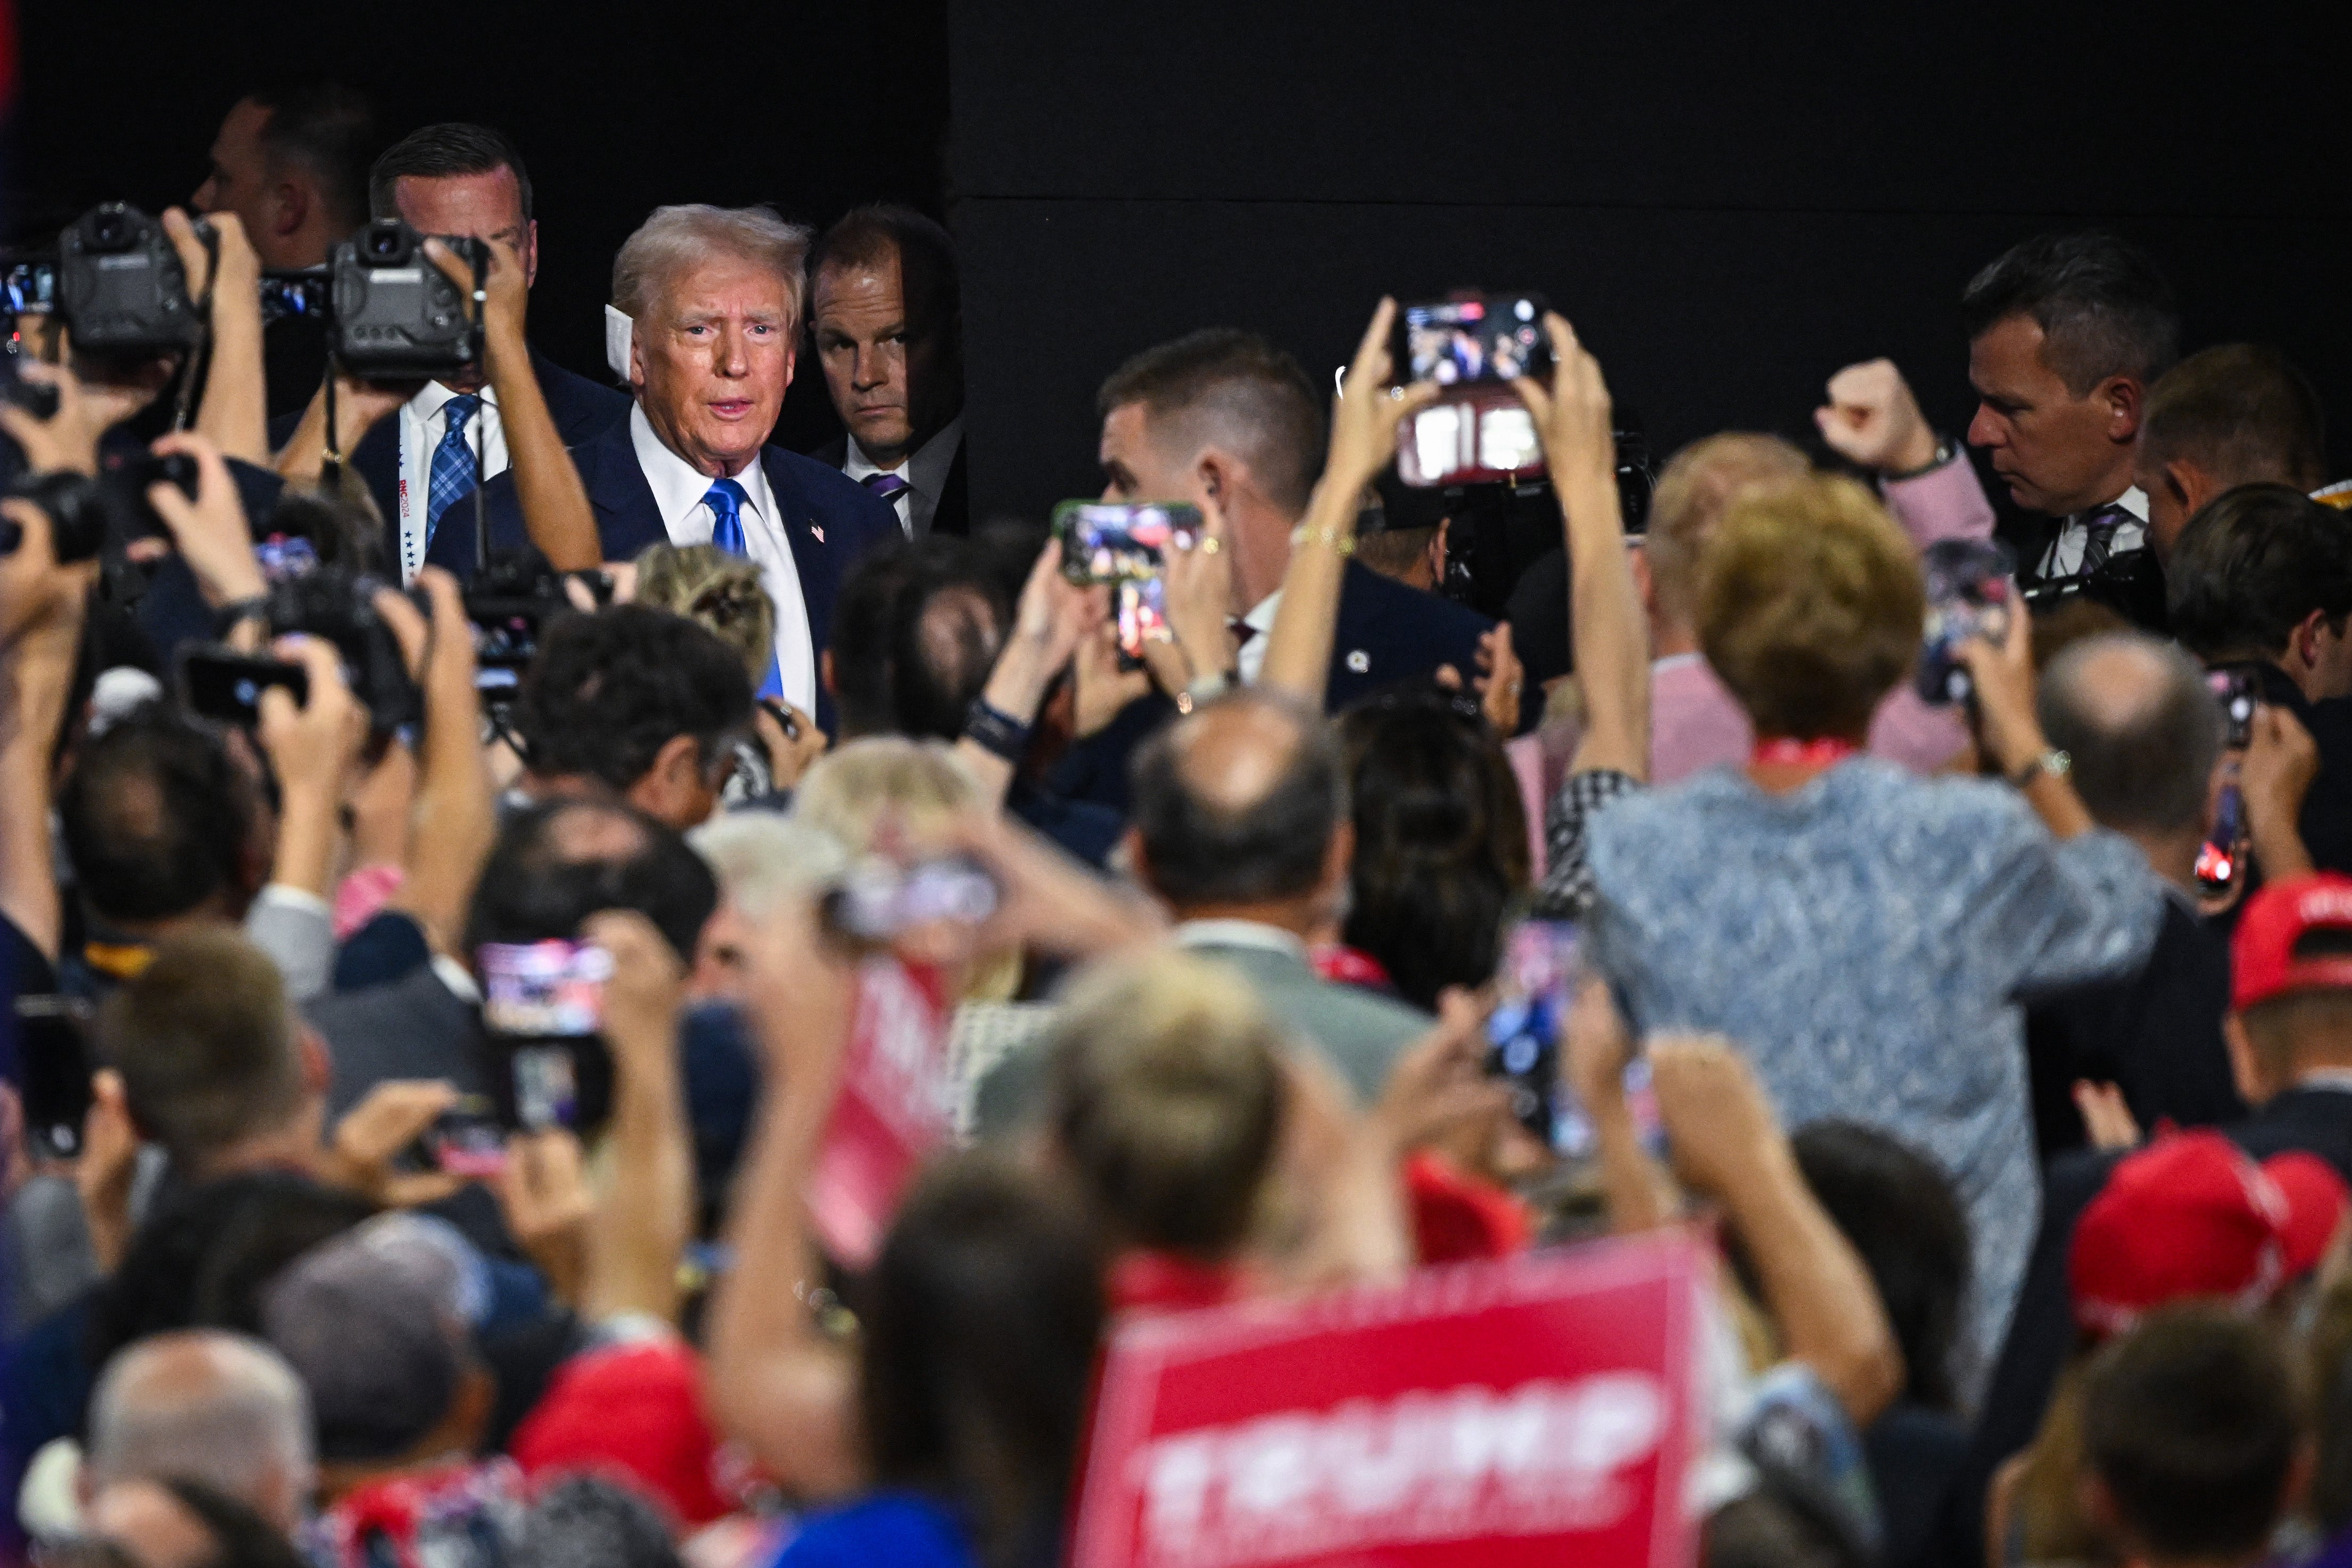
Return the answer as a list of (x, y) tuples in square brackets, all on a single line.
[(885, 314), (713, 296), (457, 179), (1227, 421)]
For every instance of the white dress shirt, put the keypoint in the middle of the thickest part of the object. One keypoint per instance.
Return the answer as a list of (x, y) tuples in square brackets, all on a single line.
[(926, 473), (1251, 657), (423, 420), (678, 489), (2065, 558)]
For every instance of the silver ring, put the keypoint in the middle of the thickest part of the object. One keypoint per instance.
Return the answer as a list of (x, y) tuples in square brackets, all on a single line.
[(1396, 395)]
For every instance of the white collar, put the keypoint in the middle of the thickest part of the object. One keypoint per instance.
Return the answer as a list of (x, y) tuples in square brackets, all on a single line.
[(2133, 501), (926, 471), (677, 485), (430, 401), (1260, 619), (1675, 661), (1241, 933), (2336, 1078)]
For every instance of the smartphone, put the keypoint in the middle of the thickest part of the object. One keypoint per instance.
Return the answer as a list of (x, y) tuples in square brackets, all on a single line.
[(1116, 541), (2239, 692), (879, 899), (222, 684), (468, 1140), (543, 1011), (1470, 338), (2221, 856), (32, 288), (1529, 1023), (1969, 595), (54, 1064)]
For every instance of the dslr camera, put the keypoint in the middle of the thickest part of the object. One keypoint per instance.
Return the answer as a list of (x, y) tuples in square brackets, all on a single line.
[(338, 604), (396, 316), (121, 286)]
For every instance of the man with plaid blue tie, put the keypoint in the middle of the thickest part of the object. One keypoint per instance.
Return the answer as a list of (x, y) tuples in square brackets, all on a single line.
[(713, 296)]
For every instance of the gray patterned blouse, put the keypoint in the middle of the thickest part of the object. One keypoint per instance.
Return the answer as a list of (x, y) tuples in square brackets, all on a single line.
[(1868, 937)]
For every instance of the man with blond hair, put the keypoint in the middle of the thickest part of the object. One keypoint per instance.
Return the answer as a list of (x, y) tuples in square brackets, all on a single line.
[(1870, 419), (714, 298)]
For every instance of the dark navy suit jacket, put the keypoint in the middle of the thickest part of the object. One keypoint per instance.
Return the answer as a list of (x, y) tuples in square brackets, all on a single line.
[(582, 410), (1385, 633), (830, 518)]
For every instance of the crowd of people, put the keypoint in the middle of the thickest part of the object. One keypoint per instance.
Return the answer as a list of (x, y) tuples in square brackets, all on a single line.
[(1999, 1049)]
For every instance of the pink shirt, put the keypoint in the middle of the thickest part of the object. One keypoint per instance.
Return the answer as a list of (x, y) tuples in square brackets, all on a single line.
[(1696, 723)]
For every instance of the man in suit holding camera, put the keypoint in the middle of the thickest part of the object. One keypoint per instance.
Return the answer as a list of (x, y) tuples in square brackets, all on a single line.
[(421, 457), (713, 296)]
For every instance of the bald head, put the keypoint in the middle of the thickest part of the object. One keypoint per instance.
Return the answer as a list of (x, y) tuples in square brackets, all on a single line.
[(1237, 804), (206, 1407), (2143, 732)]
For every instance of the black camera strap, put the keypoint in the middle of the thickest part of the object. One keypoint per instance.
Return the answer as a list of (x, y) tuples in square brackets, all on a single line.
[(191, 374), (481, 260)]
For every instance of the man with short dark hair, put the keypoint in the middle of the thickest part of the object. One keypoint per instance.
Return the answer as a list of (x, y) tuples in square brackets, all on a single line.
[(1241, 826), (636, 704), (468, 180), (2193, 1446), (2235, 414), (2261, 581), (887, 316), (2066, 332), (290, 160), (1225, 420), (2145, 736)]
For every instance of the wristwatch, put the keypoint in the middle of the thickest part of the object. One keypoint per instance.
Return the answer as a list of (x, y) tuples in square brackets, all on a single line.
[(2052, 762), (1946, 450)]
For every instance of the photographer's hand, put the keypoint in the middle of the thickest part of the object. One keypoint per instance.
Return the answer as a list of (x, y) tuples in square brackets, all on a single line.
[(1053, 616), (1200, 593), (359, 405), (555, 510), (211, 532), (312, 749), (66, 441), (2009, 731), (235, 412), (42, 607), (455, 816), (1364, 422), (2277, 774), (646, 1218), (1873, 421)]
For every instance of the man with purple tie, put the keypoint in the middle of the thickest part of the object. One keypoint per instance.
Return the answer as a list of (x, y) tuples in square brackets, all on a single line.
[(884, 313), (714, 298)]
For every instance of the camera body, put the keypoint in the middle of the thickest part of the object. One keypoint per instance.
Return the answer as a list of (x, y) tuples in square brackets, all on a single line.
[(338, 604), (397, 316), (121, 286)]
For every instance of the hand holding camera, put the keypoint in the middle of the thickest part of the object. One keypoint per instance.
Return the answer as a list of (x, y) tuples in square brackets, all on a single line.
[(210, 530), (1574, 416), (1874, 422), (1370, 408), (65, 440), (2281, 762)]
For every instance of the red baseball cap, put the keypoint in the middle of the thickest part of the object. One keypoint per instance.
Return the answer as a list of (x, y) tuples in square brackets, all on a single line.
[(2263, 963), (2316, 1197), (632, 1414), (2187, 1215)]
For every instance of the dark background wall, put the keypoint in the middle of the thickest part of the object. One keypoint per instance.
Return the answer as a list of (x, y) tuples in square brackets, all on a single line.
[(1729, 200), (618, 108)]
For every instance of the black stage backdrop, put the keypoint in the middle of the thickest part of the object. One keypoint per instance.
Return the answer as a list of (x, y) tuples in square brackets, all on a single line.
[(618, 108), (1729, 200)]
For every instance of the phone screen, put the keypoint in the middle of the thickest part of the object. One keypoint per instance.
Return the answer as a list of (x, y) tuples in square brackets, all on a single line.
[(1140, 608), (878, 899), (2239, 693), (542, 1006), (1968, 596), (1115, 541), (224, 686), (1482, 338), (54, 1068), (1525, 1032)]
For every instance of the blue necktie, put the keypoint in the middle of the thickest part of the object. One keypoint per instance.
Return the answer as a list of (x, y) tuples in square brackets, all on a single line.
[(725, 498), (451, 474)]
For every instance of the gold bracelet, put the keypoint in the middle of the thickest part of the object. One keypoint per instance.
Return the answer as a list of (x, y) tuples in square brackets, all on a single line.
[(1343, 540)]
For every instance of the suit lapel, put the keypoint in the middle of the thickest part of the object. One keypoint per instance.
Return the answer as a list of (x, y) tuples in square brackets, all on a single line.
[(627, 518)]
